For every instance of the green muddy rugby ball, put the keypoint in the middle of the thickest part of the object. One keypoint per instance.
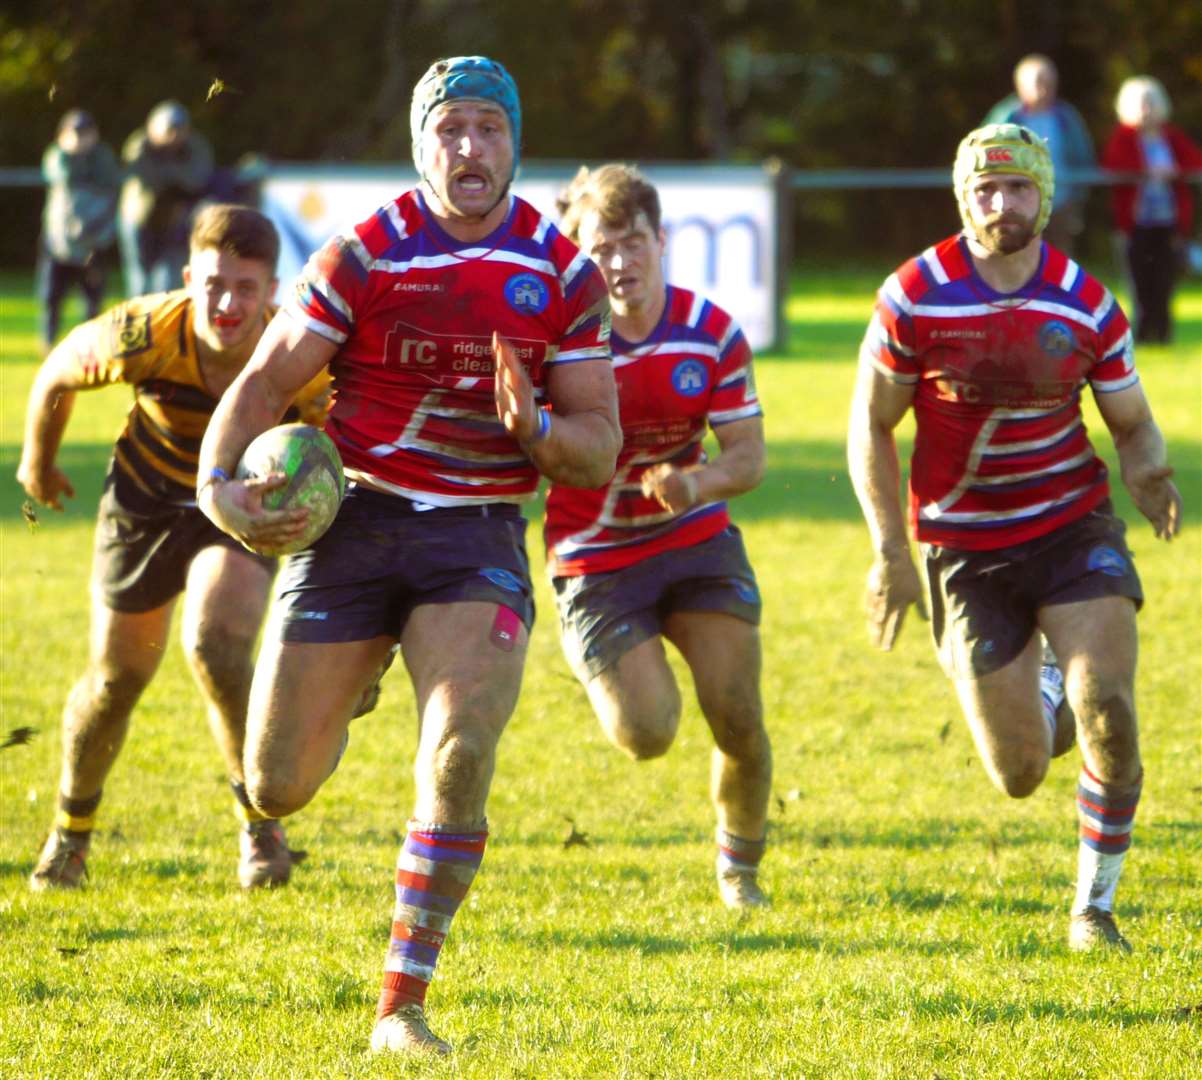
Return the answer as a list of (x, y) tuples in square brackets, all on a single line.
[(310, 460)]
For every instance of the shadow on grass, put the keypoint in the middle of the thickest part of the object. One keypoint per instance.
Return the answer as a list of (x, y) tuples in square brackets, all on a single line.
[(955, 1005), (729, 940)]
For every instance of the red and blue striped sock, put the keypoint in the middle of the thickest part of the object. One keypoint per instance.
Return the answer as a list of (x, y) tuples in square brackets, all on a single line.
[(433, 874), (1105, 814), (737, 855)]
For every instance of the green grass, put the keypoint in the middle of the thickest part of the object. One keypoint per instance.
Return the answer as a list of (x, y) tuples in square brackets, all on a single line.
[(919, 918)]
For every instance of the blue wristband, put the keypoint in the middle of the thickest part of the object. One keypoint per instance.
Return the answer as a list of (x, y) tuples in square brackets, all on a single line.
[(544, 426), (215, 474)]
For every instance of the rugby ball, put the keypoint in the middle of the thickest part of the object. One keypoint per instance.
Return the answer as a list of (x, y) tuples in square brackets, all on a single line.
[(311, 462)]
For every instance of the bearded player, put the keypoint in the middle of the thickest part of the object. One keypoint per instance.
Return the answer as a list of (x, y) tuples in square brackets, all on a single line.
[(653, 554), (179, 351), (449, 319), (990, 336)]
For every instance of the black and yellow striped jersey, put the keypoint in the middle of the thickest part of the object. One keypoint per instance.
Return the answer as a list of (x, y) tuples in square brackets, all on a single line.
[(149, 343)]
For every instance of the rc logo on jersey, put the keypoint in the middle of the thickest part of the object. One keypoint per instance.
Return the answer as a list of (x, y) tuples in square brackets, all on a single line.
[(690, 378), (1056, 339), (526, 293), (131, 335), (1107, 561)]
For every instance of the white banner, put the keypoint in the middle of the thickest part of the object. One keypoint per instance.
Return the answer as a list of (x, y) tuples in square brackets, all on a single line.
[(721, 223)]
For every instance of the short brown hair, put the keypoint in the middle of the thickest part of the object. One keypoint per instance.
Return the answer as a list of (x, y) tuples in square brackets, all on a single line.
[(237, 229), (616, 192)]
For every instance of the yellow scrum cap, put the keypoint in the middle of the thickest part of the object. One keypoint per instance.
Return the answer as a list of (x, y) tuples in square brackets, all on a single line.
[(1005, 148)]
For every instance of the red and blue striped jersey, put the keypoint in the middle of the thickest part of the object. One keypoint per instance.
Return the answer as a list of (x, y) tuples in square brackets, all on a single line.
[(413, 312), (693, 369), (1001, 454)]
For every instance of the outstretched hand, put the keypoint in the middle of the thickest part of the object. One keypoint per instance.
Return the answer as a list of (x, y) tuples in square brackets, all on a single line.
[(45, 486), (893, 585), (1156, 497), (513, 392)]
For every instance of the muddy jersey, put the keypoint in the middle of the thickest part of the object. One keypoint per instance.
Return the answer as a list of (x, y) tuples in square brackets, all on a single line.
[(693, 370), (413, 312), (1001, 453), (149, 342)]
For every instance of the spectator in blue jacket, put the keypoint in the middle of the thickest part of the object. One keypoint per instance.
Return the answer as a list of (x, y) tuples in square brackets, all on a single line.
[(78, 221), (1035, 105)]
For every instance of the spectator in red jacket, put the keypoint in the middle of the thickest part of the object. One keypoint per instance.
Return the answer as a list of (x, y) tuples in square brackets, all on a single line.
[(1154, 212)]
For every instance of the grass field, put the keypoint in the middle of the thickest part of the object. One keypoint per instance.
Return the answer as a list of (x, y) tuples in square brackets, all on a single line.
[(919, 917)]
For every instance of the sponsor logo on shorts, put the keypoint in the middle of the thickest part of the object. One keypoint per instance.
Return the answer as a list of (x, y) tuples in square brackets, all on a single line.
[(690, 378), (526, 293), (505, 579), (1105, 560), (1056, 339), (295, 616), (747, 592)]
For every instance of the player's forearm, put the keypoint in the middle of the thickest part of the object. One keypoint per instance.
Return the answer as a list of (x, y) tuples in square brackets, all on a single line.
[(876, 478), (46, 417), (248, 408), (580, 450), (1140, 447), (736, 470)]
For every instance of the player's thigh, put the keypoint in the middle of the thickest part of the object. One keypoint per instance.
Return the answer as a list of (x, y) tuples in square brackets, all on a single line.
[(724, 655), (1003, 707), (301, 702), (128, 644), (637, 692), (1094, 638), (226, 594), (465, 659)]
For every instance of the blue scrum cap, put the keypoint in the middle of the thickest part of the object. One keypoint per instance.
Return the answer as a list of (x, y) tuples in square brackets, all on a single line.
[(458, 77)]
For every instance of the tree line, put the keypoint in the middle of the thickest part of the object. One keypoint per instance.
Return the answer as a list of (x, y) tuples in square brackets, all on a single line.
[(867, 83)]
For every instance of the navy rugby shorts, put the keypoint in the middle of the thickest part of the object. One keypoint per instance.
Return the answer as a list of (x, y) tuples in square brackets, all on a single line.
[(382, 557), (602, 616), (144, 546), (984, 604)]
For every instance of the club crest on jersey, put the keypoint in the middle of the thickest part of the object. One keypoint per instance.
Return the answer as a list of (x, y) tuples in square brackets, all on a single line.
[(690, 378), (131, 335), (526, 293), (1056, 339)]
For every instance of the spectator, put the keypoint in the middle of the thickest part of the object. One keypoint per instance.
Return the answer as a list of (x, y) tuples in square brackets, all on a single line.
[(169, 166), (79, 220), (1036, 106), (1154, 212)]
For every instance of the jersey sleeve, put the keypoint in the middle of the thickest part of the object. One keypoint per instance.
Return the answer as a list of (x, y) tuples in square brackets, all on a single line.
[(1114, 368), (116, 347), (586, 335), (889, 343), (734, 396), (331, 288)]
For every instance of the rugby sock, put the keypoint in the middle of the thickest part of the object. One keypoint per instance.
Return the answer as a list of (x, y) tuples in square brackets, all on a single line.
[(433, 874), (738, 856), (77, 817), (243, 807), (1105, 813), (1051, 694)]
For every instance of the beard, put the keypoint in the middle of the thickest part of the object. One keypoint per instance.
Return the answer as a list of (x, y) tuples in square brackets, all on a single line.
[(1005, 234)]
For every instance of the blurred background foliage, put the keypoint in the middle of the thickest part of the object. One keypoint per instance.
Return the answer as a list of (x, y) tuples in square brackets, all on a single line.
[(863, 83)]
